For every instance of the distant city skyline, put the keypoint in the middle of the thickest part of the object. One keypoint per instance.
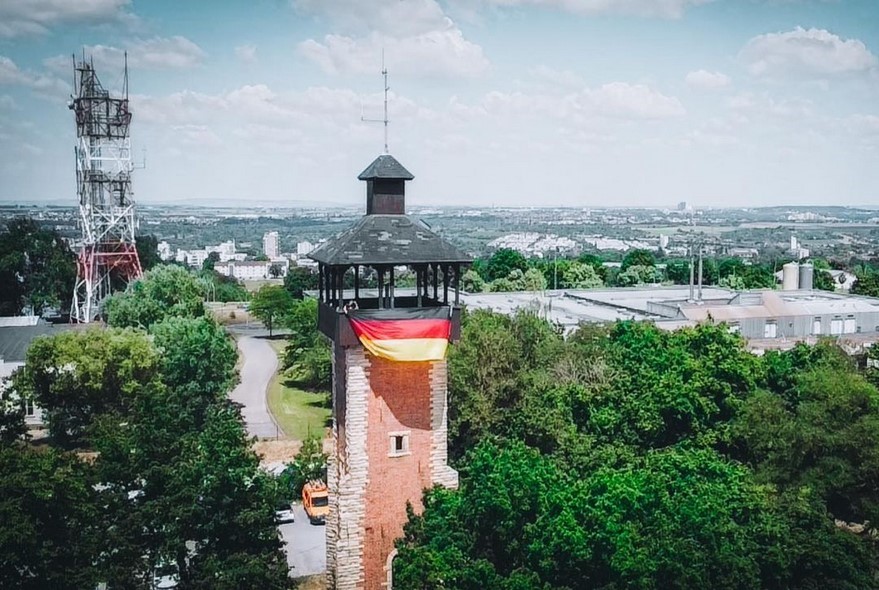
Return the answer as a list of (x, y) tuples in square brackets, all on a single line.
[(576, 103)]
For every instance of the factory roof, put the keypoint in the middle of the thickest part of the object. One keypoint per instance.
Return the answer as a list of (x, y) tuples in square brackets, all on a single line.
[(767, 304)]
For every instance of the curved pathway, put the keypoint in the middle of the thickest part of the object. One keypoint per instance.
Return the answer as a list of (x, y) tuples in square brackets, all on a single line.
[(260, 364)]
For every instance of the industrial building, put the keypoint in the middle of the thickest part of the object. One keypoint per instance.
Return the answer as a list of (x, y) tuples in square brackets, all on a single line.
[(765, 318)]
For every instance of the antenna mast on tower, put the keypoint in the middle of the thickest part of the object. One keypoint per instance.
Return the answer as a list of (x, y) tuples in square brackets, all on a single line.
[(385, 121), (103, 182)]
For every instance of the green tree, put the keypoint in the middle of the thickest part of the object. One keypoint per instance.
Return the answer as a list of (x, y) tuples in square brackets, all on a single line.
[(300, 279), (310, 464), (50, 521), (676, 518), (734, 282), (638, 275), (271, 304), (164, 291), (678, 271), (223, 288), (818, 429), (231, 518), (471, 282), (37, 268), (758, 276), (533, 280), (77, 377), (307, 356), (579, 275), (503, 262), (823, 280), (638, 258), (867, 283), (12, 425), (148, 251), (196, 356), (502, 285), (671, 387), (211, 261)]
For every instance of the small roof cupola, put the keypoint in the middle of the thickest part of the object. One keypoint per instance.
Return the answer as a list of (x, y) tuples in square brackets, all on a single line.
[(385, 186), (359, 268)]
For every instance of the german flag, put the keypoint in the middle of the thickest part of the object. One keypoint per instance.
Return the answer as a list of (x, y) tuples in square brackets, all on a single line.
[(419, 334)]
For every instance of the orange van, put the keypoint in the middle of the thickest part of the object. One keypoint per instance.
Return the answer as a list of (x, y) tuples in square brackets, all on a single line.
[(315, 501)]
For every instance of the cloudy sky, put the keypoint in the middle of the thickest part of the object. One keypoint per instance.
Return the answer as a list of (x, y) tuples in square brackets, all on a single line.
[(492, 102)]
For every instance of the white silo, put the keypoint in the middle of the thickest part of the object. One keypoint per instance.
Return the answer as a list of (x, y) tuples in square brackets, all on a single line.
[(790, 276)]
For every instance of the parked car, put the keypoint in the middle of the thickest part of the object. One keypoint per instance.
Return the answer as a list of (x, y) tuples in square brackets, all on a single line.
[(285, 516)]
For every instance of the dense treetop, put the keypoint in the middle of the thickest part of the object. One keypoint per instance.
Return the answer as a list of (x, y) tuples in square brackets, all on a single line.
[(37, 269), (631, 457)]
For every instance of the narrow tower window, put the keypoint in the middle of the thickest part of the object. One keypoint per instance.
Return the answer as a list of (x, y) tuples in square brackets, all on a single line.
[(399, 444)]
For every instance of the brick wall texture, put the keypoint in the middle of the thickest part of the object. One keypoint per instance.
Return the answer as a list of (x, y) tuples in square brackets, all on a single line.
[(369, 486)]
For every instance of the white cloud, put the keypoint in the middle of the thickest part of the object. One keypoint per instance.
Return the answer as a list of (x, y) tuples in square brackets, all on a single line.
[(435, 53), (246, 53), (401, 18), (806, 51), (748, 103), (7, 103), (11, 75), (28, 17), (616, 101), (642, 8), (705, 80), (416, 36), (558, 78), (157, 53), (633, 101), (200, 135)]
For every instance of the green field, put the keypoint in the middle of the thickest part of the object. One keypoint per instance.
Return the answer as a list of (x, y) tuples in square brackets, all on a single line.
[(299, 413)]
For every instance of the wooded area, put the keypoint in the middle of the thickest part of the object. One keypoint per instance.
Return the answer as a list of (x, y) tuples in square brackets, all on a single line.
[(149, 469), (629, 457)]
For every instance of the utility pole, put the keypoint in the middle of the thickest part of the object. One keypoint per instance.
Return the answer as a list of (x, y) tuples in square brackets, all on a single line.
[(700, 273), (555, 271), (692, 273)]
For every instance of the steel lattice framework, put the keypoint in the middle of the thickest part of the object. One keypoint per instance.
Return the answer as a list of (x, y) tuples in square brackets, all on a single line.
[(103, 179)]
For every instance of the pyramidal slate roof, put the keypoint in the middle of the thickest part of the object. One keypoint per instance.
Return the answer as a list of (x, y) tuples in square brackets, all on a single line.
[(385, 166), (388, 239)]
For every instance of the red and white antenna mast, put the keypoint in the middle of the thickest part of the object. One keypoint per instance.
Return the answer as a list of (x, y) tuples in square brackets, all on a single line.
[(103, 181)]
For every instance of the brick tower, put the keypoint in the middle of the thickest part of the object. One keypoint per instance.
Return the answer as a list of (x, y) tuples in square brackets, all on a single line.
[(389, 375)]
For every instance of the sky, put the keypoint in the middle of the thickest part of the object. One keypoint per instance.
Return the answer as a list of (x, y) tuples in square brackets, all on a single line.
[(581, 103)]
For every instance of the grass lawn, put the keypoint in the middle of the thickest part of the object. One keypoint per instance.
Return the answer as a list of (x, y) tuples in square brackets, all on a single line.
[(299, 413)]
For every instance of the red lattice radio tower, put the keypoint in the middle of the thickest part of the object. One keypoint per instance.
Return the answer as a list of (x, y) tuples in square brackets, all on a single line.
[(103, 181)]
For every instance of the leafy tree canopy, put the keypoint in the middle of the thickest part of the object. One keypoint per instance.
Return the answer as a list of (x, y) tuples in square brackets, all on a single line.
[(271, 304), (580, 275), (163, 292), (37, 268), (300, 279), (148, 251), (49, 521), (78, 376), (504, 261), (638, 258)]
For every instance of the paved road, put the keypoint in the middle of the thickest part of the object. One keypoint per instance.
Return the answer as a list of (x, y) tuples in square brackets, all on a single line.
[(260, 364), (306, 545)]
